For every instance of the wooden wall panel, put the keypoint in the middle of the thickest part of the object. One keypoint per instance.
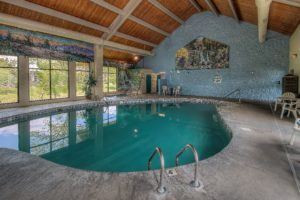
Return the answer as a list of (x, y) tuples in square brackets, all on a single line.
[(139, 31), (32, 15), (182, 8), (118, 3), (149, 13), (223, 7), (247, 10), (203, 4), (118, 55), (84, 9), (284, 18), (130, 43)]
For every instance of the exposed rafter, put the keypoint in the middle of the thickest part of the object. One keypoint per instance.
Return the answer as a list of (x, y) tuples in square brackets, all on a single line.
[(109, 6), (212, 7), (196, 5), (295, 3), (131, 17), (150, 26), (128, 37), (166, 11), (263, 9), (233, 9), (54, 13), (70, 18), (117, 23), (19, 22)]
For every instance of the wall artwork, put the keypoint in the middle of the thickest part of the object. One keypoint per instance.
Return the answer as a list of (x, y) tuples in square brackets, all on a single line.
[(15, 41), (202, 53)]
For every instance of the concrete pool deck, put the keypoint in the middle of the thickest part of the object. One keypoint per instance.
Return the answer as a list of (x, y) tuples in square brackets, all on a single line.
[(253, 166)]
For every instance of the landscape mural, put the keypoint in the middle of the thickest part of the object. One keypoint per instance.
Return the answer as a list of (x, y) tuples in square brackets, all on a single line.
[(202, 53), (14, 41)]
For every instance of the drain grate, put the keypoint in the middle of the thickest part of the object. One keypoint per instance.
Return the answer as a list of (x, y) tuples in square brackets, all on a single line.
[(171, 172)]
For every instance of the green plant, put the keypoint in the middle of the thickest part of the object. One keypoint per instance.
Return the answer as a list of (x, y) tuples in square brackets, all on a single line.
[(90, 83)]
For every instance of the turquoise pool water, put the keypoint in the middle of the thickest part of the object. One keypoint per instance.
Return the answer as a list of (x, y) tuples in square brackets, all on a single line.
[(119, 138)]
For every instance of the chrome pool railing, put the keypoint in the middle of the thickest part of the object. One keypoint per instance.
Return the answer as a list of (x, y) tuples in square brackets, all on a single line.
[(194, 183), (238, 91), (161, 188)]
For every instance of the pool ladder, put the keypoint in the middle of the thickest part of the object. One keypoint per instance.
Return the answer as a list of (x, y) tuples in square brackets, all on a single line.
[(161, 188), (196, 183)]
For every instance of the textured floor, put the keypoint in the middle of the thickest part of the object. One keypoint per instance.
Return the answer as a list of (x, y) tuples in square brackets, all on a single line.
[(253, 166)]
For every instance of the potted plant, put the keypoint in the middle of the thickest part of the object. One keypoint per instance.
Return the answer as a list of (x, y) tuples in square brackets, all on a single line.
[(90, 83)]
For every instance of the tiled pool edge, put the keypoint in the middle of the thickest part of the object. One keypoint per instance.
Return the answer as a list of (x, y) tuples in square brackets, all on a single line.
[(61, 107)]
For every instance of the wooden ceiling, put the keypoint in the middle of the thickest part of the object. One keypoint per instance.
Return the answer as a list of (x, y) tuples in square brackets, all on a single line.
[(149, 23)]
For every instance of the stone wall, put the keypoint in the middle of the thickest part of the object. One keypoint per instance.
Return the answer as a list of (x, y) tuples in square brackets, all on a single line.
[(254, 68)]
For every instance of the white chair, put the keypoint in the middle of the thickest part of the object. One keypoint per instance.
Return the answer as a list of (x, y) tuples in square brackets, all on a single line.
[(292, 107), (164, 90), (296, 130), (177, 91), (286, 97)]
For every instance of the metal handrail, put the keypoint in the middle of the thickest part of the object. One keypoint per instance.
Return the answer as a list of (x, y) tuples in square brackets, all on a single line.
[(195, 182), (161, 188), (234, 91)]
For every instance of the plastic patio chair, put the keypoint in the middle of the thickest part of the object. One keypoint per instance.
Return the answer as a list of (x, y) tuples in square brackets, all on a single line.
[(164, 90), (286, 97), (177, 91), (291, 107)]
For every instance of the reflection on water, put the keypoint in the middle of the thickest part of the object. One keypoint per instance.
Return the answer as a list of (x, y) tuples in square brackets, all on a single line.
[(9, 137), (119, 138), (48, 134)]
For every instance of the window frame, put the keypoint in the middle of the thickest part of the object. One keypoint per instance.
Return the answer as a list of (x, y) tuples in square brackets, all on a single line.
[(81, 70), (18, 80), (50, 79), (109, 73)]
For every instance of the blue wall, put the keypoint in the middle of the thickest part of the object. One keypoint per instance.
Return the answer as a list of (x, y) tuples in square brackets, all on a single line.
[(254, 67)]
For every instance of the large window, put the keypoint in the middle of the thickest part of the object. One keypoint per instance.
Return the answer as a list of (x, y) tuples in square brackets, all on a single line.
[(82, 75), (48, 79), (8, 79), (109, 79)]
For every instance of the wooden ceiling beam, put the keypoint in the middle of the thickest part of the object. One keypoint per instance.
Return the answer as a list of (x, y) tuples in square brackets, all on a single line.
[(31, 25), (108, 6), (150, 26), (295, 3), (166, 11), (233, 9), (54, 13), (118, 22), (212, 7), (129, 37), (263, 10), (196, 5), (61, 15), (131, 17)]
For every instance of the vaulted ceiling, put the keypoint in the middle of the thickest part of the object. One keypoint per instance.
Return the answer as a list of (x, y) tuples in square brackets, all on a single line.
[(143, 24)]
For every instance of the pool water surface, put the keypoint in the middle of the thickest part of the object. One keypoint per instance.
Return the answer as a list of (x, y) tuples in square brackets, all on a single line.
[(119, 138)]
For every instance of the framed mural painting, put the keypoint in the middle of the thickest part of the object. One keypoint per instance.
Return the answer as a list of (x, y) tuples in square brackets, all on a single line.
[(202, 53)]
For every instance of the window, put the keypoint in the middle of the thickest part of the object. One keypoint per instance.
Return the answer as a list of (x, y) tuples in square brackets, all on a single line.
[(109, 79), (82, 75), (8, 79), (48, 79)]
